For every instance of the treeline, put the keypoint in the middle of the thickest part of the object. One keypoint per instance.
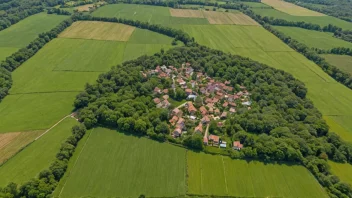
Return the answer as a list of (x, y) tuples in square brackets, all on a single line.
[(58, 11), (45, 184), (337, 50), (339, 75), (15, 60), (286, 124), (13, 11), (178, 35)]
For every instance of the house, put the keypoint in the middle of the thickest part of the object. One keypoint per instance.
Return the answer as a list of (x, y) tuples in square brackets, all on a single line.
[(157, 90), (189, 70), (215, 100), (165, 91), (227, 82), (232, 110), (237, 145), (230, 89), (181, 122), (205, 140), (223, 115), (217, 112), (164, 68), (165, 97), (156, 100), (188, 91), (191, 109), (191, 97), (176, 112), (203, 110), (199, 129), (214, 139), (225, 104), (246, 103), (166, 103), (208, 100), (177, 132), (158, 69), (232, 104), (173, 120), (205, 120)]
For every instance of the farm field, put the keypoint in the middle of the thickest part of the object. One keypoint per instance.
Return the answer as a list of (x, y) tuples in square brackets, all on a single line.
[(108, 161), (25, 31), (343, 62), (7, 51), (186, 13), (219, 175), (322, 20), (45, 86), (98, 31), (311, 38), (37, 156), (11, 143), (258, 44), (290, 8), (228, 18), (342, 170)]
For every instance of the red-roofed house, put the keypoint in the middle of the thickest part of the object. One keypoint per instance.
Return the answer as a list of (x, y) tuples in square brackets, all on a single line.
[(166, 97), (191, 109), (199, 129), (165, 91), (237, 145), (157, 90), (188, 91), (205, 120), (176, 112), (177, 132), (225, 104), (214, 140), (173, 120), (220, 124), (223, 115), (203, 110), (156, 100), (232, 110), (217, 112)]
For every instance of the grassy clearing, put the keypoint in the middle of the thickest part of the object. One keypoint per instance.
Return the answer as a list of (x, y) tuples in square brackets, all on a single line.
[(342, 170), (218, 175), (322, 20), (115, 165), (141, 36), (133, 51), (84, 8), (152, 14), (98, 31), (25, 31), (11, 143), (188, 13), (291, 8), (28, 112), (311, 38), (37, 156), (343, 62)]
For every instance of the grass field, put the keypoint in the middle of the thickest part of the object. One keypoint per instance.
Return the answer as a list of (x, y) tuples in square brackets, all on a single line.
[(25, 31), (37, 156), (241, 19), (342, 170), (322, 20), (115, 165), (291, 9), (98, 31), (6, 51), (218, 175), (11, 143), (188, 13), (311, 38), (343, 62)]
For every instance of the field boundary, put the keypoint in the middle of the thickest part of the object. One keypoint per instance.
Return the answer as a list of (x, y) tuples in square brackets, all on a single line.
[(45, 92)]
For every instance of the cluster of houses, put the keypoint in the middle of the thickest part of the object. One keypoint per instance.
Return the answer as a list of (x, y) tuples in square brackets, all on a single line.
[(217, 101)]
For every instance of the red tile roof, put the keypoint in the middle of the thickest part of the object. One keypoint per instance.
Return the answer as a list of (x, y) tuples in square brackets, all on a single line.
[(215, 138)]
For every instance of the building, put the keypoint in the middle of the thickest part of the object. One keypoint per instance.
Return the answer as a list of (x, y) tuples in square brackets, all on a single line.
[(214, 140), (176, 112), (173, 120), (205, 120), (232, 110), (156, 100), (223, 144), (237, 145), (166, 97), (177, 132), (157, 90), (203, 110), (188, 91), (199, 129), (223, 115), (191, 109)]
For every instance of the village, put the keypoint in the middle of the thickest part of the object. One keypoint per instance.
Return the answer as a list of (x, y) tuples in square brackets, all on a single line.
[(206, 100)]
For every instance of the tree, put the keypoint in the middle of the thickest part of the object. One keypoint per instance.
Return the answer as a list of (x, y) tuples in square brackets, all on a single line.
[(163, 128), (198, 102), (194, 142)]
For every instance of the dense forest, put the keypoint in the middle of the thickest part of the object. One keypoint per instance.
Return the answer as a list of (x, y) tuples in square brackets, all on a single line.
[(282, 125), (337, 8)]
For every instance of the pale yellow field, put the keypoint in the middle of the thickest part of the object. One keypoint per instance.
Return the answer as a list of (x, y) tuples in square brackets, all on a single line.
[(188, 13), (84, 7), (11, 143), (217, 17), (241, 19), (98, 31), (290, 8)]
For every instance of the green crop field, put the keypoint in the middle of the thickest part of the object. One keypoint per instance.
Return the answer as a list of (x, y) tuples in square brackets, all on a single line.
[(258, 44), (343, 62), (25, 31), (115, 165), (322, 20), (342, 170), (6, 51), (37, 156), (311, 38), (218, 175)]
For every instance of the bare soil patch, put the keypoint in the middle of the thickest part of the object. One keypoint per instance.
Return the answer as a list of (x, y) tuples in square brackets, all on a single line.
[(11, 143), (186, 13), (98, 31)]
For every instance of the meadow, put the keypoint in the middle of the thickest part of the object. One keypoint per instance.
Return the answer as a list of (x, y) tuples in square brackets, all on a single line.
[(222, 176), (343, 62), (37, 156), (342, 170), (311, 38), (126, 166), (291, 8), (11, 143), (322, 20)]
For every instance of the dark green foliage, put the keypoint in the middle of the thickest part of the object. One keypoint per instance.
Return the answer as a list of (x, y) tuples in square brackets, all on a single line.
[(58, 11), (194, 142)]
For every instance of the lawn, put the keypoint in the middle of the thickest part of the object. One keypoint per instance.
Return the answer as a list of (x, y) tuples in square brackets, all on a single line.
[(116, 165), (222, 176), (25, 31), (291, 8), (11, 143), (37, 156), (28, 112), (311, 38), (322, 20), (343, 62), (98, 31)]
